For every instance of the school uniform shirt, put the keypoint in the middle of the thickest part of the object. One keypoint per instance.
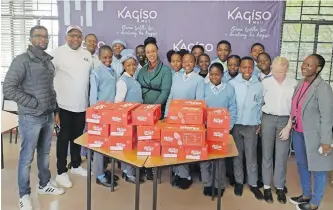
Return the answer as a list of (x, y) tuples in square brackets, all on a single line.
[(222, 96), (186, 86), (102, 84), (117, 66), (224, 63), (278, 97), (71, 81), (263, 76), (226, 77), (249, 96), (128, 89)]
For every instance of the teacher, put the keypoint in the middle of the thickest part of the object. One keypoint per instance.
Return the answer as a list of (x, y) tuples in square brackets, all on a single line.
[(155, 80)]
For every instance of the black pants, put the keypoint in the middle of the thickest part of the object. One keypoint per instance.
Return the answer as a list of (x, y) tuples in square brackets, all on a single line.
[(71, 127)]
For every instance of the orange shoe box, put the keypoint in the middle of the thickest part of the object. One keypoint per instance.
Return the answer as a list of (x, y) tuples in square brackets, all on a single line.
[(149, 132), (171, 151), (194, 153), (185, 115), (151, 148), (188, 103), (98, 112), (116, 143), (178, 135), (218, 118), (146, 114), (217, 134), (96, 141), (121, 113), (122, 130), (218, 147), (98, 129)]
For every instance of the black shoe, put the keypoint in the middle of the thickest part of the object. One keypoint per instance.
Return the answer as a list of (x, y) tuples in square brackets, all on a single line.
[(305, 206), (217, 192), (108, 176), (208, 191), (149, 174), (260, 184), (238, 190), (104, 182), (257, 193), (132, 179), (175, 180), (281, 196), (268, 197), (200, 178), (299, 200), (285, 189), (185, 183)]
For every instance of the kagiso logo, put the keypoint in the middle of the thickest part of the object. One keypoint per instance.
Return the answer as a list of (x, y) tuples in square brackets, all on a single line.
[(116, 119), (173, 150), (217, 147), (141, 16), (188, 46), (148, 148), (253, 16), (148, 133), (195, 152)]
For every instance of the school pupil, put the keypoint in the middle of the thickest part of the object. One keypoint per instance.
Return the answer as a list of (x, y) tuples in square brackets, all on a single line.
[(128, 90), (223, 51), (197, 50), (142, 59), (217, 95), (103, 88), (175, 60), (233, 63), (256, 49), (203, 63), (264, 65), (187, 86), (117, 47)]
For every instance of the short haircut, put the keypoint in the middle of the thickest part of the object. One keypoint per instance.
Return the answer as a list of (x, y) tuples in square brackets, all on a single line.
[(282, 61), (203, 55), (321, 61), (32, 30), (218, 66), (199, 47), (190, 54), (266, 54), (234, 56), (104, 47), (258, 44), (224, 42), (140, 45), (90, 35), (247, 58)]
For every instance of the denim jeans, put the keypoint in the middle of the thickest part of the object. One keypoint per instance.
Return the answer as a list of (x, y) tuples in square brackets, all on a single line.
[(320, 177), (36, 133)]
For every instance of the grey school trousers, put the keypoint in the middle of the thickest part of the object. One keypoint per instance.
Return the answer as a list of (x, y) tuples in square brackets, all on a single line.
[(246, 141), (128, 169), (271, 127), (206, 169), (183, 171), (99, 164)]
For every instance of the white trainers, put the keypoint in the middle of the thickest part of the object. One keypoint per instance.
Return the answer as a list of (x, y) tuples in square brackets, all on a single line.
[(63, 180), (50, 189), (79, 171), (25, 203)]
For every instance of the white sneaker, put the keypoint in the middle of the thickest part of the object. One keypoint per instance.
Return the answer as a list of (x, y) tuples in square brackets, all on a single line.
[(50, 189), (80, 171), (25, 203), (63, 180)]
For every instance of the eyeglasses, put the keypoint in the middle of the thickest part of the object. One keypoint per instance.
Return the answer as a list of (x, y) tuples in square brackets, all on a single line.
[(39, 36), (79, 36)]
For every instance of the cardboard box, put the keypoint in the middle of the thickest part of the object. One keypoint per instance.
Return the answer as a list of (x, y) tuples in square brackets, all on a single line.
[(151, 148), (116, 143), (149, 132), (122, 130), (171, 151), (98, 129), (96, 141), (218, 118), (188, 103), (218, 147), (185, 115), (217, 134), (98, 112), (178, 135), (194, 153), (121, 113), (146, 114)]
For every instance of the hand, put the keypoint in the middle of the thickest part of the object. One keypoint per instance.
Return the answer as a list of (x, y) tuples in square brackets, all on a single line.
[(258, 129), (326, 149), (284, 134), (56, 119)]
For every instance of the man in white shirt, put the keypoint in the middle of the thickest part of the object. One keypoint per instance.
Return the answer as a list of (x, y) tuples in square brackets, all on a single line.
[(276, 125), (91, 45), (117, 46), (72, 69)]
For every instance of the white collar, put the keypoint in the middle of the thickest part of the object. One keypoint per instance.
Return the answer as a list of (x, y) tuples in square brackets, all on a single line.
[(127, 74), (218, 86), (186, 76)]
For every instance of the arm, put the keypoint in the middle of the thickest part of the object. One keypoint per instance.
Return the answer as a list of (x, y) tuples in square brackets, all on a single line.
[(232, 107), (200, 92), (165, 88), (14, 78), (325, 103), (121, 91), (93, 88)]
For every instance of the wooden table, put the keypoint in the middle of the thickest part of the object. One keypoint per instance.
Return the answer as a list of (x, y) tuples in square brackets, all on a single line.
[(8, 122)]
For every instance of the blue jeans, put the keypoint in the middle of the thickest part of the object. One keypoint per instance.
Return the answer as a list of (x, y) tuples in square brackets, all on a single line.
[(320, 177), (36, 133)]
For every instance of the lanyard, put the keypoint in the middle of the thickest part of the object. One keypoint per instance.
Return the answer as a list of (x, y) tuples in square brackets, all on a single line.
[(301, 94)]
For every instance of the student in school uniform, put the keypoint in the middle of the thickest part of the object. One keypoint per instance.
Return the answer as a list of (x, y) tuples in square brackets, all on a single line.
[(278, 92), (197, 50), (188, 86), (142, 59), (103, 88), (233, 63), (175, 60), (217, 95), (128, 89), (91, 45), (256, 49), (203, 63), (264, 65), (117, 46), (248, 91)]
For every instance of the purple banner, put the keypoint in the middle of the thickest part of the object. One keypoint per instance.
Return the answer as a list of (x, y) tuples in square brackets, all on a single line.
[(178, 25)]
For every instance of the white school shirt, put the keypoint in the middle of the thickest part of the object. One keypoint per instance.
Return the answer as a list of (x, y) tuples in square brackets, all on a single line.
[(263, 76), (71, 81), (278, 97), (121, 88)]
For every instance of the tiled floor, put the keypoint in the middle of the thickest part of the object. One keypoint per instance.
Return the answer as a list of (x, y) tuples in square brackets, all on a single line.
[(123, 197)]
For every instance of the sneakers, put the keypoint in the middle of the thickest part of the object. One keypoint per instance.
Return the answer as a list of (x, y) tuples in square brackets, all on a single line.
[(25, 203), (63, 180), (49, 189), (79, 171), (305, 206), (299, 200)]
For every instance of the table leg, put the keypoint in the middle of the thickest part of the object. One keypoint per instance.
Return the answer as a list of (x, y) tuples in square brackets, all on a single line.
[(214, 177), (112, 174), (89, 181), (155, 189), (2, 161), (137, 189), (170, 173), (219, 169)]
